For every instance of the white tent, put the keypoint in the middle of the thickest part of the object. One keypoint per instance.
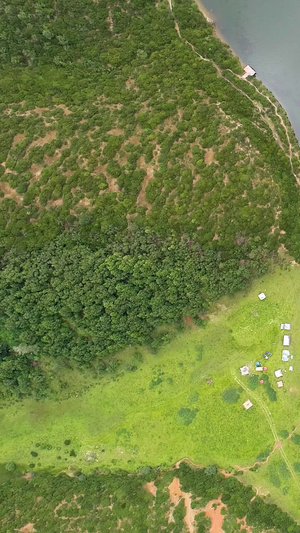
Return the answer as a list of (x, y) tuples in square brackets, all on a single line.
[(262, 296), (285, 326), (285, 355), (278, 373), (286, 340), (245, 370)]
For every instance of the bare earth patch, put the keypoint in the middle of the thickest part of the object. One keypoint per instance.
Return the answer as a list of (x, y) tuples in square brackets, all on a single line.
[(115, 131), (18, 138), (141, 199), (28, 476), (27, 529), (36, 171), (209, 156), (9, 192), (43, 140), (243, 525)]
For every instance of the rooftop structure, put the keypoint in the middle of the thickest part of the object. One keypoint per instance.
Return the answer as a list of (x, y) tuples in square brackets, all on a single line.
[(278, 373), (262, 296), (245, 370), (247, 405), (249, 71), (285, 355), (279, 384), (285, 326)]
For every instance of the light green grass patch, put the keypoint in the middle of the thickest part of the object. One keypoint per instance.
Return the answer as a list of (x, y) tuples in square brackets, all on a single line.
[(173, 405)]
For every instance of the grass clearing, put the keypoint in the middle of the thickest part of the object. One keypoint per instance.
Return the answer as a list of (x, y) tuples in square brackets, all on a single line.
[(182, 401)]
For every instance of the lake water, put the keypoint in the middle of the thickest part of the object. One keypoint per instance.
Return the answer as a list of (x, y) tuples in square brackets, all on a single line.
[(265, 34)]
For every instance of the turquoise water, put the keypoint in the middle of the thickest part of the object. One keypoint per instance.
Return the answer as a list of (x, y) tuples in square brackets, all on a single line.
[(265, 34)]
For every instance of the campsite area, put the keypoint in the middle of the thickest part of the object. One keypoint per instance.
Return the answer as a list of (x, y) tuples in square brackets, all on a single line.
[(184, 401)]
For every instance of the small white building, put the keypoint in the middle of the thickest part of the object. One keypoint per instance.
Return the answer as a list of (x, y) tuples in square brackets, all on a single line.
[(245, 370), (248, 71), (279, 384), (286, 340), (285, 326), (291, 368), (259, 369), (262, 296), (247, 405), (278, 373), (285, 355)]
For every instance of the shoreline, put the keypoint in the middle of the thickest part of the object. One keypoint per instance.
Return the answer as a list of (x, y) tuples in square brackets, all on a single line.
[(209, 17), (217, 33)]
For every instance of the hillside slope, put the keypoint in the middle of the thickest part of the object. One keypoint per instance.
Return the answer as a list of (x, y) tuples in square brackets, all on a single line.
[(113, 119), (141, 177)]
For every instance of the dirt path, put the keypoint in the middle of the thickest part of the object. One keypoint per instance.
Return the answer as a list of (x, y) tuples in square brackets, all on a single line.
[(256, 104), (267, 413)]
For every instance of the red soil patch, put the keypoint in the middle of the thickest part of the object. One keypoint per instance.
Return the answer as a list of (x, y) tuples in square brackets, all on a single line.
[(188, 321), (175, 496), (150, 487), (213, 512)]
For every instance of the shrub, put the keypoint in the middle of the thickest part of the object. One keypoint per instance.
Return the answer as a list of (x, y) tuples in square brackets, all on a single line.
[(296, 439), (10, 467), (186, 415), (231, 395), (284, 433)]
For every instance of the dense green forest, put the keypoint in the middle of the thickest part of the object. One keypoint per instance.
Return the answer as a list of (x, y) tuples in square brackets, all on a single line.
[(141, 179), (148, 501)]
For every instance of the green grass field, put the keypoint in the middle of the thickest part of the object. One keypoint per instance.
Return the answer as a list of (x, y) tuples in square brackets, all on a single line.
[(167, 410)]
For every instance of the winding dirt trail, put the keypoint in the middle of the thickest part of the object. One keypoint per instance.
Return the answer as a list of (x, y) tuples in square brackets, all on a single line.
[(256, 104), (267, 413)]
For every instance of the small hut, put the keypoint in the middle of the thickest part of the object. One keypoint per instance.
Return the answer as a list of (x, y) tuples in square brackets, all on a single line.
[(262, 296), (248, 71), (247, 405)]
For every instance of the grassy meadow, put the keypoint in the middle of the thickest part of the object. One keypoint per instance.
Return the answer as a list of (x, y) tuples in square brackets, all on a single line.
[(173, 405)]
